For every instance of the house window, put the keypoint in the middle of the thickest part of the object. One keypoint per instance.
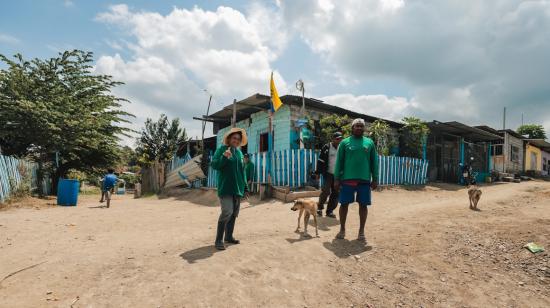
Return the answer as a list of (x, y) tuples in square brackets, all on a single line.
[(496, 150), (514, 154), (264, 142)]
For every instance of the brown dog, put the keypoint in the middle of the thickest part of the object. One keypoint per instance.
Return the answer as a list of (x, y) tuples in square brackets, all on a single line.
[(310, 209), (475, 194)]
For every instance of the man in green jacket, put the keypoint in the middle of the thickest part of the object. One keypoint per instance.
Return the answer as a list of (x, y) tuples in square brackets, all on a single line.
[(355, 173), (228, 161)]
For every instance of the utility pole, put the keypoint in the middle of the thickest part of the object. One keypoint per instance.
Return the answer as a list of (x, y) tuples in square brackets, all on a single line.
[(204, 124), (504, 119), (522, 119), (300, 87), (234, 119), (504, 145)]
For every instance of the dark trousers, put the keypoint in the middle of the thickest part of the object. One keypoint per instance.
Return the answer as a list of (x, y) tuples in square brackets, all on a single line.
[(330, 192), (226, 222)]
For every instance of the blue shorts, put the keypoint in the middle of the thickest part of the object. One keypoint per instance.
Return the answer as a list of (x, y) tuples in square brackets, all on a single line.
[(359, 193)]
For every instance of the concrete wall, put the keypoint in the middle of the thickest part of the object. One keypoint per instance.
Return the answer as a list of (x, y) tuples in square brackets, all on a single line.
[(509, 165), (532, 152), (546, 155)]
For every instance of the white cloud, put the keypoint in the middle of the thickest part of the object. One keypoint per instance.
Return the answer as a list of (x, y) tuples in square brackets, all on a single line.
[(8, 39), (175, 56), (390, 108), (462, 59)]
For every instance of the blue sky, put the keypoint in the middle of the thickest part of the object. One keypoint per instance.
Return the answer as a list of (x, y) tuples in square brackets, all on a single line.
[(452, 60)]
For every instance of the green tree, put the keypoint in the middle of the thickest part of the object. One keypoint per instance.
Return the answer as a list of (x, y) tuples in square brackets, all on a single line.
[(333, 123), (413, 135), (534, 131), (60, 114), (159, 140), (128, 157), (381, 133)]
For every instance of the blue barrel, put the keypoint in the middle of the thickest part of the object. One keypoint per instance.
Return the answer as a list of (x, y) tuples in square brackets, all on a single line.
[(67, 192)]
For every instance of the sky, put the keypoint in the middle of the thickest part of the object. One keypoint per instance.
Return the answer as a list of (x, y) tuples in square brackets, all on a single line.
[(462, 60)]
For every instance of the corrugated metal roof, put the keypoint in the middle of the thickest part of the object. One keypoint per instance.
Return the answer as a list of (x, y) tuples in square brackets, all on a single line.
[(500, 132), (540, 143), (470, 133), (258, 102)]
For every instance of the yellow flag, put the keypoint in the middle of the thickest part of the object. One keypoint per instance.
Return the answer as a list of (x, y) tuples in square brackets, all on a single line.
[(275, 100)]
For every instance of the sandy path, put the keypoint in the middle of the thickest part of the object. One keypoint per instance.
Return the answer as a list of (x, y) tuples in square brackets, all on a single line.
[(427, 249)]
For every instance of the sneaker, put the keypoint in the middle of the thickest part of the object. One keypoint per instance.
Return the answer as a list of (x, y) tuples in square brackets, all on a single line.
[(341, 235), (232, 241), (331, 215), (361, 238), (219, 246)]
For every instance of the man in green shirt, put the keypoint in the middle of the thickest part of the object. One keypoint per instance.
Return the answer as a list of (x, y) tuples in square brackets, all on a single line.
[(355, 173), (248, 170), (228, 161)]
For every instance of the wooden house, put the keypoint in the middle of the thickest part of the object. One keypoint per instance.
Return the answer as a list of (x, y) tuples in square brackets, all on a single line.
[(507, 152), (252, 114)]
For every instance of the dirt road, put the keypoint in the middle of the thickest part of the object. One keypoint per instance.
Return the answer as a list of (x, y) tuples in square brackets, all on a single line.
[(426, 249)]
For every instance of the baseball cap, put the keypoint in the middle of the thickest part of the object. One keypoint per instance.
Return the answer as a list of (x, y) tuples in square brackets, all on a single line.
[(337, 135)]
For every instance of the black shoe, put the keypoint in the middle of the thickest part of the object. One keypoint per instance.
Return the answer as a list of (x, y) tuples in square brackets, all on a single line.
[(219, 246), (331, 215), (320, 213), (232, 241)]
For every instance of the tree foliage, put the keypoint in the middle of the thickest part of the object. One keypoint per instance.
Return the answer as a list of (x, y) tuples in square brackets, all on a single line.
[(381, 133), (413, 135), (534, 131), (334, 123), (57, 110), (159, 140), (127, 158)]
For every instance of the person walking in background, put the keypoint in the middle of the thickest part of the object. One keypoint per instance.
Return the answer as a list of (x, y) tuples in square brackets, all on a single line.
[(232, 186), (108, 185), (325, 167), (248, 170), (355, 173)]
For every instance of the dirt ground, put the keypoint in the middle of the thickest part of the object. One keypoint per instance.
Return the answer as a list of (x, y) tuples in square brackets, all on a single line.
[(426, 249)]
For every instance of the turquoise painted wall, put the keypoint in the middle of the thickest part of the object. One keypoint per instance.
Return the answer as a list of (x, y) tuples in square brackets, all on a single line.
[(258, 124)]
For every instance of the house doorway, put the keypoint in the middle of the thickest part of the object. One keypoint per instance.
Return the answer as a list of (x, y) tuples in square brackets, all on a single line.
[(264, 142)]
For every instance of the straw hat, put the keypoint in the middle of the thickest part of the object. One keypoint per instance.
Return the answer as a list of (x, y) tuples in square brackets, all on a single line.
[(244, 139)]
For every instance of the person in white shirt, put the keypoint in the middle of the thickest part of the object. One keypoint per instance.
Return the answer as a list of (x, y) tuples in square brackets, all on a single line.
[(325, 167)]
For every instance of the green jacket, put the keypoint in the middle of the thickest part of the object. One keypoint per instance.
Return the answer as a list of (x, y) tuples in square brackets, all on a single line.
[(356, 159), (249, 171), (231, 176)]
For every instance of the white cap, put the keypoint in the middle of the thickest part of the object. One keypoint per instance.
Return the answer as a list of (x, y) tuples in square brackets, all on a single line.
[(358, 121)]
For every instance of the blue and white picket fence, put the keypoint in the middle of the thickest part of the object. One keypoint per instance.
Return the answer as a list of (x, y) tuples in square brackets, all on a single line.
[(292, 168), (393, 170), (179, 161), (11, 176)]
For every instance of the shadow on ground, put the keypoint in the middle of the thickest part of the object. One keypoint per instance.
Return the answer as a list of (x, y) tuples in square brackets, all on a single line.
[(346, 248), (194, 255), (206, 197)]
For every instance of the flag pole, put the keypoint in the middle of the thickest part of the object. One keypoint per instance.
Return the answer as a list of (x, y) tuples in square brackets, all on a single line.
[(270, 139)]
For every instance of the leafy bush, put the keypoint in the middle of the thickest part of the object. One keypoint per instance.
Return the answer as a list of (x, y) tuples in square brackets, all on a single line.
[(413, 134), (381, 133), (334, 123)]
